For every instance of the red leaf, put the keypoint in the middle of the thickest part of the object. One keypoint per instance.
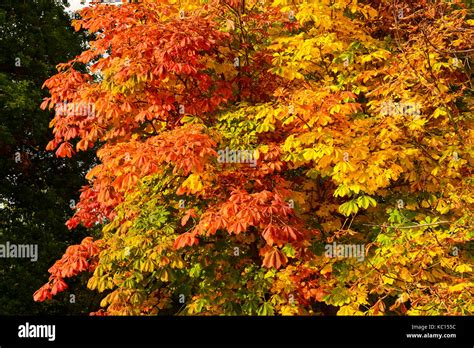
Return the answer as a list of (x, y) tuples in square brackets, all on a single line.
[(65, 150), (274, 258), (186, 239)]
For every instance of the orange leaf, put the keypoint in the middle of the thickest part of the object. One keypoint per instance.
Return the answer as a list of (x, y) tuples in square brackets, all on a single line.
[(274, 258)]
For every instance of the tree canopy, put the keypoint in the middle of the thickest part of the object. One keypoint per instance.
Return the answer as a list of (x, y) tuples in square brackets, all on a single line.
[(271, 157)]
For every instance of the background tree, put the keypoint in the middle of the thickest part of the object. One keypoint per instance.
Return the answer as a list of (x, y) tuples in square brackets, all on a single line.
[(36, 188)]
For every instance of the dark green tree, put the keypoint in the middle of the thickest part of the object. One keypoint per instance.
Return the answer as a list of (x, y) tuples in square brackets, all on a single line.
[(36, 188)]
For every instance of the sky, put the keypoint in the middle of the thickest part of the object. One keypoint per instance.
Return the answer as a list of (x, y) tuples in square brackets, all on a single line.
[(76, 4)]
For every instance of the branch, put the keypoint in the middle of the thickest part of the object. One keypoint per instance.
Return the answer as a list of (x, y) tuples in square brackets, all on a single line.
[(413, 226)]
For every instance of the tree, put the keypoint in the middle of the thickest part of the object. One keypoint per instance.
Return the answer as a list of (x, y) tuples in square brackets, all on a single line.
[(273, 157), (36, 188)]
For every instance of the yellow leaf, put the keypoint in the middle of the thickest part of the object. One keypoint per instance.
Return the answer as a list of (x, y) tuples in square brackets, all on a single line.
[(406, 275), (326, 269), (438, 112), (349, 310), (388, 279), (458, 287), (463, 268), (193, 182)]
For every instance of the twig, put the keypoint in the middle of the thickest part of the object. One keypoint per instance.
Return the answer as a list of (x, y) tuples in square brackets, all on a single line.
[(413, 226)]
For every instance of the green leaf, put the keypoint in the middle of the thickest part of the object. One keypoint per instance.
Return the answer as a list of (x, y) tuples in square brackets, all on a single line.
[(265, 309), (349, 208), (365, 201), (289, 250)]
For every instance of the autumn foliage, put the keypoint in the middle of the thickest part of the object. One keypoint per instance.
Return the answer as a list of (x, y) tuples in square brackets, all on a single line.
[(357, 113)]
